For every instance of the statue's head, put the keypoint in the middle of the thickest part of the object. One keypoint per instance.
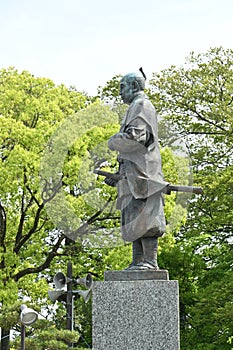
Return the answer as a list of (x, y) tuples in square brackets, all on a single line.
[(130, 85)]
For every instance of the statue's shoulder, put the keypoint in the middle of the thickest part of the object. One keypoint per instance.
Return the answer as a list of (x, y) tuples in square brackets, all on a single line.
[(143, 103), (142, 99)]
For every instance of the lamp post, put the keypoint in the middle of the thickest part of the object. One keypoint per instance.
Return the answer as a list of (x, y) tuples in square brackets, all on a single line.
[(28, 316)]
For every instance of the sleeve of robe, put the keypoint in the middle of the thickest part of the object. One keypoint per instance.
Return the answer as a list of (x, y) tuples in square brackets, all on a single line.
[(141, 161)]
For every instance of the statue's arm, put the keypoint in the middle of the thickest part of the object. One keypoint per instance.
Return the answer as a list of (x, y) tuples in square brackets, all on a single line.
[(132, 139)]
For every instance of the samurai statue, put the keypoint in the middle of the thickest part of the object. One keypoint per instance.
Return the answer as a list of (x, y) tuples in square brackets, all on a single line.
[(141, 183)]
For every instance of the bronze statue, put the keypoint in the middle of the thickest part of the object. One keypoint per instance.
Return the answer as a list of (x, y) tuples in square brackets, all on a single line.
[(141, 184), (140, 180)]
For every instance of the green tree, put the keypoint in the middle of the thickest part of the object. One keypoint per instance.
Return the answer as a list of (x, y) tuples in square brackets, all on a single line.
[(30, 110), (44, 335), (50, 143), (195, 102), (110, 94)]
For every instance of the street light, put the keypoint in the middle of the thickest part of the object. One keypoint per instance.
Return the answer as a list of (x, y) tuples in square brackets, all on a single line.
[(28, 316)]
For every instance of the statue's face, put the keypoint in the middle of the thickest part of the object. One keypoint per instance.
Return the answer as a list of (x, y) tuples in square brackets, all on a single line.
[(127, 91)]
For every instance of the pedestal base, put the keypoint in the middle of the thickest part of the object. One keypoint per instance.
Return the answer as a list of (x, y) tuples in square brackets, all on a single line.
[(136, 275), (135, 315)]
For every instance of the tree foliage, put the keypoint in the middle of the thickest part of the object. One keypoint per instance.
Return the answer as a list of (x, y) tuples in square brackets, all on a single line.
[(31, 244), (45, 335), (195, 101)]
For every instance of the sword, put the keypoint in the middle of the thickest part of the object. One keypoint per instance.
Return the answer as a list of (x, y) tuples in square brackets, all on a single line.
[(167, 189)]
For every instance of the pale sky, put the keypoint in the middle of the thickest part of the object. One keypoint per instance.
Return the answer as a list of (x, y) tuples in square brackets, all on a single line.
[(84, 43)]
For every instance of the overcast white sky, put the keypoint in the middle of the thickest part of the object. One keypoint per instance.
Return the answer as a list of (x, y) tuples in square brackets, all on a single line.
[(84, 43)]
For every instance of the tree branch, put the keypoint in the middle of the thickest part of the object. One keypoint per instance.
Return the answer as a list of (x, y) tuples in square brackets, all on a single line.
[(31, 231), (200, 116), (44, 265), (24, 209), (84, 228)]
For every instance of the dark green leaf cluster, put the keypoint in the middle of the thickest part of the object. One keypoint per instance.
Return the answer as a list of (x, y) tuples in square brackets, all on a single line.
[(195, 102)]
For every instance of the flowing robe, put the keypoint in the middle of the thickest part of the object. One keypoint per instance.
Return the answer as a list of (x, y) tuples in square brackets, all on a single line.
[(140, 196)]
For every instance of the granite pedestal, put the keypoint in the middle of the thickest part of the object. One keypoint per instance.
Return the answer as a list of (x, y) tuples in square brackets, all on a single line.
[(137, 313)]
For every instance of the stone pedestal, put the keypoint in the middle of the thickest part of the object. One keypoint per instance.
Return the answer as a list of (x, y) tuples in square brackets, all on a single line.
[(138, 314), (136, 275)]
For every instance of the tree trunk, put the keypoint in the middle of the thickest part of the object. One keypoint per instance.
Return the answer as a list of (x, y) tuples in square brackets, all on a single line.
[(5, 339)]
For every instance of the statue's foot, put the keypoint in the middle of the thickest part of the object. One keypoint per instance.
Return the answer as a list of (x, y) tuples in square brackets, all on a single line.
[(147, 265), (132, 266)]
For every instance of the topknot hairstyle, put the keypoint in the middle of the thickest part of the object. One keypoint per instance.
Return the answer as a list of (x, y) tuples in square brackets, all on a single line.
[(139, 78)]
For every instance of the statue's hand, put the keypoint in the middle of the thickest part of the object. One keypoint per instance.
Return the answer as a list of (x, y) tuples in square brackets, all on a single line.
[(110, 182)]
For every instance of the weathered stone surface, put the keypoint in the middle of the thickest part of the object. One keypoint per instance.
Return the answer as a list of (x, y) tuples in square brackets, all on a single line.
[(135, 315), (136, 275)]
